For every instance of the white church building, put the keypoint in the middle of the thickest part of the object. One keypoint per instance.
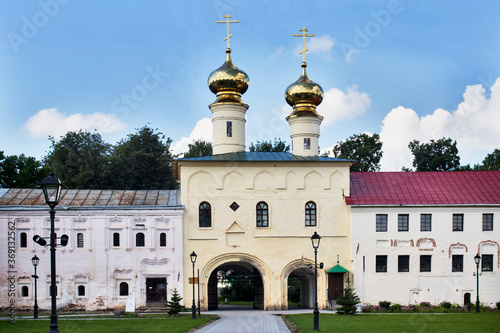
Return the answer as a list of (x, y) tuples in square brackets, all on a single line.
[(399, 236), (122, 244)]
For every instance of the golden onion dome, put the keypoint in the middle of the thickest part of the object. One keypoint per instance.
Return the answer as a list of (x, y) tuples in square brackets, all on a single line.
[(304, 91), (228, 82)]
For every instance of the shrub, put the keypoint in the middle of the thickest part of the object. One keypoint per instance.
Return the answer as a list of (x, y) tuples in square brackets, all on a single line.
[(385, 304), (348, 301), (396, 307), (174, 304), (446, 305), (498, 305)]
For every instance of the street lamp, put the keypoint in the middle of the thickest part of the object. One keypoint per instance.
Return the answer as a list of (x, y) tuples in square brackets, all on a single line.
[(193, 307), (315, 239), (477, 260), (35, 260), (52, 188), (199, 305)]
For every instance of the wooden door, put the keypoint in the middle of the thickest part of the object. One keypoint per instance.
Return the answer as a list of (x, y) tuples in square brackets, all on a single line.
[(156, 291), (335, 285)]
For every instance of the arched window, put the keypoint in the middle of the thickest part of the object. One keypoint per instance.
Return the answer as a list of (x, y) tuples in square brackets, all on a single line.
[(79, 240), (139, 239), (310, 214), (124, 289), (23, 239), (205, 215), (81, 290), (163, 239), (24, 291), (262, 214), (116, 239)]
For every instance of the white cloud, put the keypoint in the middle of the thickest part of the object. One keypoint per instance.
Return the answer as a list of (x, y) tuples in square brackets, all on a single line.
[(474, 125), (202, 130), (338, 105), (321, 45), (277, 52), (51, 122)]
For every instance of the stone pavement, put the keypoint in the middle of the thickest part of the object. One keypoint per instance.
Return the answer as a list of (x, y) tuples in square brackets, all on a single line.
[(244, 320)]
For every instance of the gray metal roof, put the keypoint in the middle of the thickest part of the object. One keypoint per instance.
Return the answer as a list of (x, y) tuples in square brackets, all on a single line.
[(103, 199), (265, 156)]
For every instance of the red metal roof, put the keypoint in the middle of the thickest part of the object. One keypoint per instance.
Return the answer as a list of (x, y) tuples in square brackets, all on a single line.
[(425, 188)]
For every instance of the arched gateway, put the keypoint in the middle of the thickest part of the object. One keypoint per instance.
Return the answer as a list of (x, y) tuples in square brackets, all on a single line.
[(253, 268)]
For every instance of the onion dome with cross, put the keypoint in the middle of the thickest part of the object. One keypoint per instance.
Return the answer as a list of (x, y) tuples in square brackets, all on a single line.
[(304, 94), (228, 82)]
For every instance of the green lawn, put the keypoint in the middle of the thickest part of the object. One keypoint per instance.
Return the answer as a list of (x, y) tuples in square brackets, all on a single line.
[(453, 322), (166, 324)]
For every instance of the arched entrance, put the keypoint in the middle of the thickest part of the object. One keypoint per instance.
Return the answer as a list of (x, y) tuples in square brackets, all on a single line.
[(235, 281), (302, 278), (239, 267)]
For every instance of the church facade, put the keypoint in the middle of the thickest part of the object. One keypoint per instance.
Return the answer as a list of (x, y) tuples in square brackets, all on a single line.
[(402, 236)]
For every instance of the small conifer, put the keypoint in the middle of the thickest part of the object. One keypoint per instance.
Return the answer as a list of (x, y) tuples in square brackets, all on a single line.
[(174, 304)]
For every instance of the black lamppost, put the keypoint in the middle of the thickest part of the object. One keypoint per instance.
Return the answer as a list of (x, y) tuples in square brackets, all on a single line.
[(199, 305), (52, 187), (315, 239), (35, 260), (193, 307), (477, 260)]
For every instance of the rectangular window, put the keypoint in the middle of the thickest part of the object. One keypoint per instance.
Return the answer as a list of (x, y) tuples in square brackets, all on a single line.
[(403, 222), (458, 222), (381, 222), (403, 263), (425, 263), (425, 222), (487, 263), (487, 222), (381, 264), (307, 143), (116, 239), (229, 129), (457, 263)]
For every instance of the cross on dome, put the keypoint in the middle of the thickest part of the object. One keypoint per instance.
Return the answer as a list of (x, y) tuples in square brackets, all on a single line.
[(227, 21), (303, 35)]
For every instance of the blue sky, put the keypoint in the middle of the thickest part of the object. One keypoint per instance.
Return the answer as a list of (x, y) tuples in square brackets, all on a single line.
[(404, 69)]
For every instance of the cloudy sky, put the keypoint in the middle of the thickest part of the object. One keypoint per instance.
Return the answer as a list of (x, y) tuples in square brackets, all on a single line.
[(405, 69)]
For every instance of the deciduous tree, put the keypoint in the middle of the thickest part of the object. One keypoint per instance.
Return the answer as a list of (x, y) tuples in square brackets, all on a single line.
[(21, 171), (199, 148), (80, 160), (269, 146), (439, 155), (364, 148), (143, 161)]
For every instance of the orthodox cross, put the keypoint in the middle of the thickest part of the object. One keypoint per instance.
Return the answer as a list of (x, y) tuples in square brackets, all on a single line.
[(227, 16), (303, 35)]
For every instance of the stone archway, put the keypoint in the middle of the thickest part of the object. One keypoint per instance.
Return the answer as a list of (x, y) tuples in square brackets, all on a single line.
[(249, 265), (303, 271)]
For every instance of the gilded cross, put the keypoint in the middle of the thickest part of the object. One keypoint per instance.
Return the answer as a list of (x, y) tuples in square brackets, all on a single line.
[(227, 16), (303, 35)]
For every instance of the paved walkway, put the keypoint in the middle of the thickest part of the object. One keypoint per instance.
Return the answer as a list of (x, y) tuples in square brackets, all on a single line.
[(244, 320)]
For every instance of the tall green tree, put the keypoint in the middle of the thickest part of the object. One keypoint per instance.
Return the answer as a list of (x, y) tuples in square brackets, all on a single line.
[(268, 146), (80, 160), (364, 148), (21, 171), (199, 148), (143, 161), (439, 155), (490, 162)]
